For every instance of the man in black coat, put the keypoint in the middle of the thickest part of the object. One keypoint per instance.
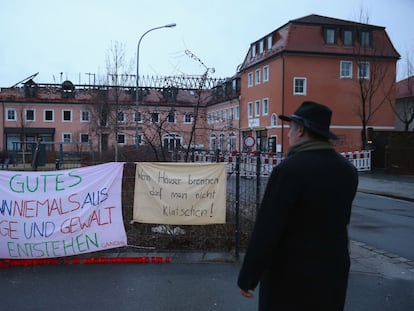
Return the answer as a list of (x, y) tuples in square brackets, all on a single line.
[(298, 250)]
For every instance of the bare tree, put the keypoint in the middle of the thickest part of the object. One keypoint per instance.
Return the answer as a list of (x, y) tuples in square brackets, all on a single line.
[(375, 78), (404, 108), (109, 114)]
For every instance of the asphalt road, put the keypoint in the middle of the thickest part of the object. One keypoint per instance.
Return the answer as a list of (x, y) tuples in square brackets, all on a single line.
[(384, 223)]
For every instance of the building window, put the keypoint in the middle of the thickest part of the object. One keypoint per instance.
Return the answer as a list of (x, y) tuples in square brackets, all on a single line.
[(345, 69), (265, 106), (269, 42), (171, 141), (250, 110), (67, 137), (330, 36), (273, 121), (257, 76), (155, 117), (231, 116), (67, 115), (48, 116), (237, 112), (121, 139), (84, 138), (11, 114), (347, 37), (138, 139), (363, 70), (261, 46), (257, 108), (265, 73), (365, 39), (231, 142), (30, 115), (221, 142), (121, 117), (299, 86), (213, 142), (188, 118), (253, 50), (137, 117), (250, 79), (85, 116), (171, 117)]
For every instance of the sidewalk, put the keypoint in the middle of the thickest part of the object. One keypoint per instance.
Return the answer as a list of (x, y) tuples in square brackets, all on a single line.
[(205, 281), (396, 186)]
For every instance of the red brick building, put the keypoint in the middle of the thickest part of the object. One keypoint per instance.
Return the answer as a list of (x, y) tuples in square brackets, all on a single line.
[(325, 60), (341, 64)]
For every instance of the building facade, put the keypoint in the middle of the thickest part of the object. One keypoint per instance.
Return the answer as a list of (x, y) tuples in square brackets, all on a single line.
[(345, 65)]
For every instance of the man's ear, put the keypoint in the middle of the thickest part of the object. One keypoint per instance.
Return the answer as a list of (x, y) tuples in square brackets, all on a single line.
[(302, 131)]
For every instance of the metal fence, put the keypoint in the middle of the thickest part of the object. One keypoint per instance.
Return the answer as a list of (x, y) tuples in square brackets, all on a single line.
[(247, 176)]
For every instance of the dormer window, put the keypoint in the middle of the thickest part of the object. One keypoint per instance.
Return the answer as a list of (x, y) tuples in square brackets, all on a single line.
[(347, 37), (261, 46), (269, 42), (253, 50), (365, 39), (330, 36)]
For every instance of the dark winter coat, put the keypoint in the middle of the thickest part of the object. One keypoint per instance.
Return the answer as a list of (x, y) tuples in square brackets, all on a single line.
[(299, 245)]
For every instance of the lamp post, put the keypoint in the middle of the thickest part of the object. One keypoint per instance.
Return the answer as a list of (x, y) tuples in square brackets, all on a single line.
[(137, 79)]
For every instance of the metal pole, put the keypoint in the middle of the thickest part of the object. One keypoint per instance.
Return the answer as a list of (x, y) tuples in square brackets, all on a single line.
[(137, 80)]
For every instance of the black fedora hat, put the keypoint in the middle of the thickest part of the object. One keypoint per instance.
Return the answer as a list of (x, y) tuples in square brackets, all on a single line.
[(313, 116)]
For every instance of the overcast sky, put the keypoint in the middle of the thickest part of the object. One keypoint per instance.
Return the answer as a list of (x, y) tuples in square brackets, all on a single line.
[(67, 39)]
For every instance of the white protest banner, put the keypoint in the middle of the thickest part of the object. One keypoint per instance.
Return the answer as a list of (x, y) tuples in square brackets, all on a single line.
[(180, 193), (61, 213)]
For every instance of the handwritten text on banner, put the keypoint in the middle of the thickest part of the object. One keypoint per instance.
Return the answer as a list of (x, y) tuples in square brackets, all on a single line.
[(180, 193), (61, 213)]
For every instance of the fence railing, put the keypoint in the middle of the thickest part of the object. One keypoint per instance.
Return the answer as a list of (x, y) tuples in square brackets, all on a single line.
[(250, 163), (247, 175)]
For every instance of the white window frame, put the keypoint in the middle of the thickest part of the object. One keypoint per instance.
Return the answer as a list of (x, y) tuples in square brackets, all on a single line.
[(269, 42), (257, 76), (273, 120), (266, 73), (303, 92), (342, 72), (85, 116), (153, 114), (139, 116), (121, 117), (124, 138), (188, 118), (34, 115), (237, 116), (250, 79), (63, 115), (265, 106), (366, 70), (13, 111), (213, 142), (261, 46), (257, 108), (44, 115), (64, 137), (254, 50), (250, 110)]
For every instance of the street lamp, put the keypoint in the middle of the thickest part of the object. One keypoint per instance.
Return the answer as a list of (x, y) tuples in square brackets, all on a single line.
[(137, 78)]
